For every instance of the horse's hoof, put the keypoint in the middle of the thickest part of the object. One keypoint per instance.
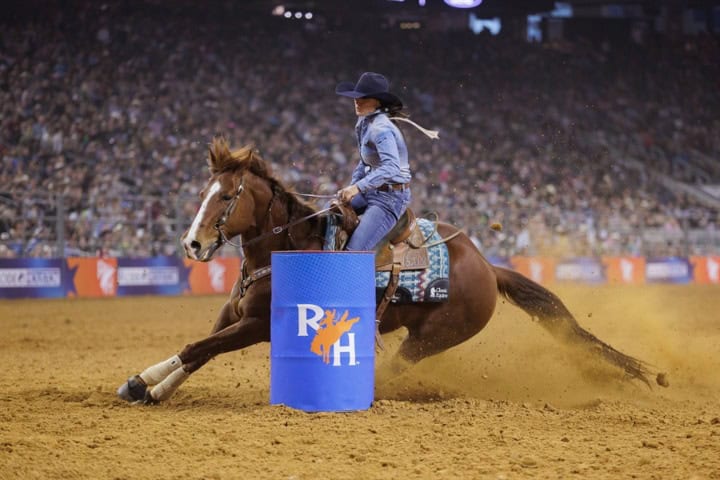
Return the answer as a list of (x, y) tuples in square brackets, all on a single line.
[(133, 390), (148, 399)]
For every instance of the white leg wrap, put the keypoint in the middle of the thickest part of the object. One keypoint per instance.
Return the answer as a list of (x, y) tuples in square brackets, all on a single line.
[(157, 373), (165, 389)]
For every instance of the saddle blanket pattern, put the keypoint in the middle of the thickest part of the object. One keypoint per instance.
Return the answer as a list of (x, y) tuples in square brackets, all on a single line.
[(430, 284)]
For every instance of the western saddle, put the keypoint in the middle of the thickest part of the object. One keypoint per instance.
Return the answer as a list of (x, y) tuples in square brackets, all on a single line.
[(403, 248)]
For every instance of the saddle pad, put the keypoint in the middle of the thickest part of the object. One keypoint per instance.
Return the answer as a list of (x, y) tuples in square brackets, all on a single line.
[(431, 284), (331, 230)]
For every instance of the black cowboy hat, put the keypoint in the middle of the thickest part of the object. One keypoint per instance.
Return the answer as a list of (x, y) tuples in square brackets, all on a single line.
[(370, 85)]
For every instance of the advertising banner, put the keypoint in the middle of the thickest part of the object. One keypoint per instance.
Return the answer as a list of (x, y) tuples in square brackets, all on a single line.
[(499, 261), (92, 277), (216, 276), (108, 277), (706, 270), (538, 269), (33, 278), (583, 270), (624, 270), (152, 276), (668, 270)]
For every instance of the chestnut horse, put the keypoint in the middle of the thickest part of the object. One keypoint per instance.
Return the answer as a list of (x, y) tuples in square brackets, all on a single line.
[(243, 198)]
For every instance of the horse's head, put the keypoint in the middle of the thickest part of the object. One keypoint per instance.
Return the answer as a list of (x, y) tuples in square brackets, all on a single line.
[(231, 200)]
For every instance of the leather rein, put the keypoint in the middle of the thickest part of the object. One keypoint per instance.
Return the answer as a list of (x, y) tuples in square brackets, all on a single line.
[(249, 279)]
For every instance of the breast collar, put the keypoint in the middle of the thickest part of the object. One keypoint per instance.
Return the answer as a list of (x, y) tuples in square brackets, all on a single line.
[(249, 279)]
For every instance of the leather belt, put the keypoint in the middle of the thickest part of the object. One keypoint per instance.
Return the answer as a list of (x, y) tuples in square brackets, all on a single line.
[(396, 187)]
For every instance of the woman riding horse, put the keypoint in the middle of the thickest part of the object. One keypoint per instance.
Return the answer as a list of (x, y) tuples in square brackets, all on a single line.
[(243, 198)]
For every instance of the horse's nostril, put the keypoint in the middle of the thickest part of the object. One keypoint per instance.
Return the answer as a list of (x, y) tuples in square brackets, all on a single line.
[(195, 245)]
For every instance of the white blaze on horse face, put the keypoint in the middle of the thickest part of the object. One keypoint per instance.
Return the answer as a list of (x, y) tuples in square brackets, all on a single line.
[(192, 231)]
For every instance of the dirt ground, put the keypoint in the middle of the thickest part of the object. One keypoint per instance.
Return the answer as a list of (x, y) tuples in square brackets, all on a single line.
[(510, 403)]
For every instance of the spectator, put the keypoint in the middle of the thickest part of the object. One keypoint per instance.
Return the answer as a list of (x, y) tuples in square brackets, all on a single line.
[(111, 113)]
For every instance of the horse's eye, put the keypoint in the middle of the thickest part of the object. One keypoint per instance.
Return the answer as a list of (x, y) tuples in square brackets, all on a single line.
[(226, 197)]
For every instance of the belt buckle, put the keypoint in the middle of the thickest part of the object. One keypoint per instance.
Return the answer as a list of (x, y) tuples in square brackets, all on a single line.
[(392, 187)]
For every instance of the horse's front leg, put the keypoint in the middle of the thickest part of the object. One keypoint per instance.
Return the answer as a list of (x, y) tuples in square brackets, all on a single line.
[(236, 336), (136, 388), (248, 331)]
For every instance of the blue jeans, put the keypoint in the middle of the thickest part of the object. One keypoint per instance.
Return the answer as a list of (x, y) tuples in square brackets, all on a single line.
[(379, 212)]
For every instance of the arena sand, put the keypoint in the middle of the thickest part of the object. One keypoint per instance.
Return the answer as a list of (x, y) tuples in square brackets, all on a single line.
[(510, 403)]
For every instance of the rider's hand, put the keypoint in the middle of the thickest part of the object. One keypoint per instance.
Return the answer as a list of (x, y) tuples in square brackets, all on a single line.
[(347, 193)]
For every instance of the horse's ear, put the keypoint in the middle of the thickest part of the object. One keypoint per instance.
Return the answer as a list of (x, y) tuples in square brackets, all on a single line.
[(212, 159), (218, 153)]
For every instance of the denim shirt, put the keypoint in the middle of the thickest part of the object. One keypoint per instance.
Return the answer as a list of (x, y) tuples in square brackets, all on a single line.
[(383, 153)]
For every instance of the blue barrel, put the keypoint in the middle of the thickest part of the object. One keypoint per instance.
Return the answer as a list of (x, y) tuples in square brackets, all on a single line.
[(322, 335)]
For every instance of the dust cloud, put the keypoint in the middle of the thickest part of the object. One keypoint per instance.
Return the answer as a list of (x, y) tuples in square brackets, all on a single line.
[(674, 329)]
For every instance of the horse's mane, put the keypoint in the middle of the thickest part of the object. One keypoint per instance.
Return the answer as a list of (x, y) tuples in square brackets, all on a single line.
[(222, 159)]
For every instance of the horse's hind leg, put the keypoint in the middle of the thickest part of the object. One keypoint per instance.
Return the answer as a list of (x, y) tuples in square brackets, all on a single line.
[(434, 328), (439, 332)]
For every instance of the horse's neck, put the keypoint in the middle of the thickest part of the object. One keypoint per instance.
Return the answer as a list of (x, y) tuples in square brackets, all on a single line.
[(307, 235), (258, 255)]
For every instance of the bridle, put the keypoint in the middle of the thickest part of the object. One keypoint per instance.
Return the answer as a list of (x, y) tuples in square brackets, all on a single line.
[(230, 208)]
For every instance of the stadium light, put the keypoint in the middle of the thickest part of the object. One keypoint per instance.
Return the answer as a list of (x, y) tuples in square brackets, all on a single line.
[(562, 10), (534, 28), (410, 25), (280, 10), (463, 3), (477, 25)]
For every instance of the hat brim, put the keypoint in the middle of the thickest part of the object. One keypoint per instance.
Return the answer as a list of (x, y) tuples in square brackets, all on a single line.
[(347, 89)]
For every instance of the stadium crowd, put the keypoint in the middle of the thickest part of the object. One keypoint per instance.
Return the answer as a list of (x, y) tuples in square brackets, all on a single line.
[(564, 143)]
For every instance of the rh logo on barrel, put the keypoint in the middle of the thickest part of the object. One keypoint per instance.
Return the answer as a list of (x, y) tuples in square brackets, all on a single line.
[(329, 332), (322, 331)]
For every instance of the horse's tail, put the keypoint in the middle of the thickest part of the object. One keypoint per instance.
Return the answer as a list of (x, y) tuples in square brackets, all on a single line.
[(554, 316)]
